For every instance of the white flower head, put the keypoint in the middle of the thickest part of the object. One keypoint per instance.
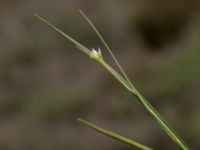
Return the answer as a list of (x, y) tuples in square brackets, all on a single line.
[(96, 55)]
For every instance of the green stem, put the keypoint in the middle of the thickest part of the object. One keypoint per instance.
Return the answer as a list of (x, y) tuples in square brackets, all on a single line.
[(128, 85), (159, 118), (156, 115), (107, 47)]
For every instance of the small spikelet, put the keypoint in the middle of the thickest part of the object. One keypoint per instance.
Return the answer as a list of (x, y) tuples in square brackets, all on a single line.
[(96, 55)]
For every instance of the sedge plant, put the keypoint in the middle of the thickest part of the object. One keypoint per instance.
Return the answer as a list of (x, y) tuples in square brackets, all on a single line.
[(122, 77)]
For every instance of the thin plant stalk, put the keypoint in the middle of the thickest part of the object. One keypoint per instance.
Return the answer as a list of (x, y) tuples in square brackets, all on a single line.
[(119, 78), (124, 80), (134, 91), (107, 47)]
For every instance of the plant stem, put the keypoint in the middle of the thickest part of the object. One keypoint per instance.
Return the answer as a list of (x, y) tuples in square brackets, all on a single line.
[(107, 47), (156, 115), (126, 83), (159, 118)]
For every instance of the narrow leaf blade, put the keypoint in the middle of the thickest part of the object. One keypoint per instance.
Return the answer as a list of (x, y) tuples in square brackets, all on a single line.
[(83, 48), (107, 48), (114, 135)]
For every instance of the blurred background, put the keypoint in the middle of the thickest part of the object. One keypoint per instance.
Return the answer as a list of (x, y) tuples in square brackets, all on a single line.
[(46, 83)]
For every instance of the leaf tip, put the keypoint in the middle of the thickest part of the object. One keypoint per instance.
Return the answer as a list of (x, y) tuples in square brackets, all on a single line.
[(80, 11), (80, 120), (35, 14)]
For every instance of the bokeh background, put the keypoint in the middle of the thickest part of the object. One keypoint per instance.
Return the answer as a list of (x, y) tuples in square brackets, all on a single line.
[(46, 83)]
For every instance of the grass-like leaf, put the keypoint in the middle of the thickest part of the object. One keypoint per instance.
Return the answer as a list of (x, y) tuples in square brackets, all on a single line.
[(114, 135), (124, 80), (134, 91), (107, 47), (83, 48)]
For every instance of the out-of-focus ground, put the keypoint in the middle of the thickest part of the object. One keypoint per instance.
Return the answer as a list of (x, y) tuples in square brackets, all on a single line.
[(46, 83)]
